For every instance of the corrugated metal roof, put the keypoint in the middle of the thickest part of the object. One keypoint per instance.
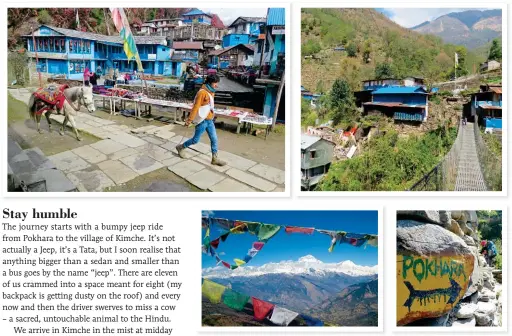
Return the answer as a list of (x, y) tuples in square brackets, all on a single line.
[(276, 17), (222, 51), (246, 19), (307, 141), (104, 38), (196, 11), (187, 45), (495, 89), (393, 105), (400, 89)]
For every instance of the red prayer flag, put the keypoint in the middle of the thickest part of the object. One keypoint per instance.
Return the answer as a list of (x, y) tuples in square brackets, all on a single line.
[(261, 308), (258, 245), (215, 243), (353, 241), (294, 229), (226, 264)]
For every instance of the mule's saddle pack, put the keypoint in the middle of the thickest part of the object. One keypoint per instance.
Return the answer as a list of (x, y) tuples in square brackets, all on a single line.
[(50, 97)]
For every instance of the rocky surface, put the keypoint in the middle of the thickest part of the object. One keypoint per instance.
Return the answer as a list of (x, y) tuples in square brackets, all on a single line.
[(455, 235)]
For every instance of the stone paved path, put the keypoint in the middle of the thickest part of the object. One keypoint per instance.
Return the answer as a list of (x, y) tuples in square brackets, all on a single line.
[(469, 177), (125, 153)]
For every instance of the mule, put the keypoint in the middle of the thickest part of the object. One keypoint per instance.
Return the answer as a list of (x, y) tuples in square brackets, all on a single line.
[(81, 95)]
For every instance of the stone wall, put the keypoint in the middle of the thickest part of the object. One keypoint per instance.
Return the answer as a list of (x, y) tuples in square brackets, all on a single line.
[(441, 277)]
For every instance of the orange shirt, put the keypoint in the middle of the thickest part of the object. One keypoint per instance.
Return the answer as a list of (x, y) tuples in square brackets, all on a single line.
[(202, 99)]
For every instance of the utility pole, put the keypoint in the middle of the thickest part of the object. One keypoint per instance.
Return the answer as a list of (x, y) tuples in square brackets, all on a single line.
[(37, 59), (278, 101), (264, 46)]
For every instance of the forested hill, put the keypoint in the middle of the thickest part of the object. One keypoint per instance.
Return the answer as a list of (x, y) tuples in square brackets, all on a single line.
[(19, 20), (371, 40)]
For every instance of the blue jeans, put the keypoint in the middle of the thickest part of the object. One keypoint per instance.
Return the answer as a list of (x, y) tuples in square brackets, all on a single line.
[(209, 127)]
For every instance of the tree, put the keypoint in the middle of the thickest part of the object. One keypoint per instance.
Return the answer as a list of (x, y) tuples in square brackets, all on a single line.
[(495, 51), (320, 87), (342, 102), (383, 70), (18, 63), (462, 54), (366, 51), (351, 50)]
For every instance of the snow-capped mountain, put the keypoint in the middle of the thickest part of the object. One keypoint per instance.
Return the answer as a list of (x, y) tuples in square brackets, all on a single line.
[(307, 265)]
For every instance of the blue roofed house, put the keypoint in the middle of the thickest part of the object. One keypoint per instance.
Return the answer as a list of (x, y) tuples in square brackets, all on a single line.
[(197, 16), (68, 52), (487, 105), (244, 30), (402, 103)]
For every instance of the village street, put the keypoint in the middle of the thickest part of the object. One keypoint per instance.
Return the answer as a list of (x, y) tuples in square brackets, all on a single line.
[(125, 154)]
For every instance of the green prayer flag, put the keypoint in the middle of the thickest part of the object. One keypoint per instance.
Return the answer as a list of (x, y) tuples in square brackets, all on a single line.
[(253, 227), (235, 300), (267, 231)]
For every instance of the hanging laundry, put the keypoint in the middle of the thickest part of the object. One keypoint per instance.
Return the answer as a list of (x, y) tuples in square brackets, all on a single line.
[(261, 308), (282, 316), (295, 229), (267, 231), (215, 243), (258, 245), (213, 291), (239, 262), (235, 300), (311, 321)]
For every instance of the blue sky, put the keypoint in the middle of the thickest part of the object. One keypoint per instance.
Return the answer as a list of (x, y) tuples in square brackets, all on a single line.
[(285, 246), (410, 17)]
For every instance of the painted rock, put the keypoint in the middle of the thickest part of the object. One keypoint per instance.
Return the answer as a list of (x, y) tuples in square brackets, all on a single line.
[(434, 267)]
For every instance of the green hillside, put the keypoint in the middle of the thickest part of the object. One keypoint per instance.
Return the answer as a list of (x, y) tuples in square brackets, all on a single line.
[(371, 39)]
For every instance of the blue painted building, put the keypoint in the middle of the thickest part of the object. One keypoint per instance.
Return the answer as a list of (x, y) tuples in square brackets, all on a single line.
[(244, 30), (405, 103), (67, 52), (487, 104), (273, 44), (197, 16)]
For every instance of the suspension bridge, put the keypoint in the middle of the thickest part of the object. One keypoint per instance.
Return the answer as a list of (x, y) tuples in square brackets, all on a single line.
[(468, 166)]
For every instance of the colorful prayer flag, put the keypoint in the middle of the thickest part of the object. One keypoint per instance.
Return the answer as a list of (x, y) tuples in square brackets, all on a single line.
[(295, 229), (123, 27), (215, 243), (261, 308), (282, 316), (239, 262), (213, 291), (258, 245), (267, 231), (235, 300)]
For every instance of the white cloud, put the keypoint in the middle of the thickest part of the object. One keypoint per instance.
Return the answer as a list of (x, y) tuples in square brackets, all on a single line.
[(410, 17), (228, 15)]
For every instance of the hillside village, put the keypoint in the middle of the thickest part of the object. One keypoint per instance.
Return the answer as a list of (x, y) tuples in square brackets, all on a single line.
[(171, 54), (369, 93)]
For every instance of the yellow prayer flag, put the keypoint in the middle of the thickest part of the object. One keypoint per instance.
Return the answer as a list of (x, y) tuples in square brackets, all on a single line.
[(213, 291), (239, 262)]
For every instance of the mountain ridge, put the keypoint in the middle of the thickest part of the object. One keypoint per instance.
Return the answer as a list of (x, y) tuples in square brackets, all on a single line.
[(305, 265), (471, 28)]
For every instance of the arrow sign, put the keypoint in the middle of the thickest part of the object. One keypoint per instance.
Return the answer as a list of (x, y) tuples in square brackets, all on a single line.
[(423, 295)]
